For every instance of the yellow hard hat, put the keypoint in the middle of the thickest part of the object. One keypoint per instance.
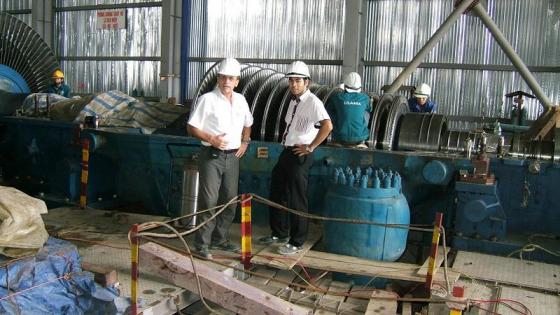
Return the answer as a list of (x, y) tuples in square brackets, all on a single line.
[(58, 74)]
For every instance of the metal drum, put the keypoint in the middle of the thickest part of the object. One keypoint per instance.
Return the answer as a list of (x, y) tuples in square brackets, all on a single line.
[(367, 195), (422, 132), (189, 193)]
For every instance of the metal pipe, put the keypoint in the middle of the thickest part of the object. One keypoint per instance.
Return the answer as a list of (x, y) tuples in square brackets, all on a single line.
[(514, 128), (512, 55), (442, 30)]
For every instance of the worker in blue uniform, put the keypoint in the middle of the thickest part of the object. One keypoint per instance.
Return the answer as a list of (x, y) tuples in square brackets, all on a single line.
[(58, 86), (420, 101), (519, 114), (222, 120), (349, 111)]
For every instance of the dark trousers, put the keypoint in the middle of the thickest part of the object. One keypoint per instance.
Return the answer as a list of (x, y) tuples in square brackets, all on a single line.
[(218, 181), (289, 188)]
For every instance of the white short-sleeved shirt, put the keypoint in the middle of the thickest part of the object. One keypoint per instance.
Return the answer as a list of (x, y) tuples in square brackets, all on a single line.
[(309, 112), (215, 115)]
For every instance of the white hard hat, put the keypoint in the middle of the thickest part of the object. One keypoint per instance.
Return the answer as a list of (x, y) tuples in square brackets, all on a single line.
[(298, 69), (422, 90), (230, 66), (353, 82)]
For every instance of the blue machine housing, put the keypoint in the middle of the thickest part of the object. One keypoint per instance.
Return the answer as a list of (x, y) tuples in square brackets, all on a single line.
[(479, 212), (137, 172)]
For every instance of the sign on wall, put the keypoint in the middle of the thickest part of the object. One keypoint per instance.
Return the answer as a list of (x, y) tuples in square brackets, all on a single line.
[(111, 19)]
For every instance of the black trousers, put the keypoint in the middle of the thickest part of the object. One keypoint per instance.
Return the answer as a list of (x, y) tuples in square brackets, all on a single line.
[(289, 188)]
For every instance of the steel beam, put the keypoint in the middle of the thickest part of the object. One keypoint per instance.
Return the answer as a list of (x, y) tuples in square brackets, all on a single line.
[(354, 36), (42, 20), (442, 30), (512, 55), (170, 81)]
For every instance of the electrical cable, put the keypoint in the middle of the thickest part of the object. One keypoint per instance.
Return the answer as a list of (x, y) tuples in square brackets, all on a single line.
[(199, 288), (344, 220)]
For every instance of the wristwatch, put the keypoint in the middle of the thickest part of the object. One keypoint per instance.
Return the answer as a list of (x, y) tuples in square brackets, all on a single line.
[(309, 148), (246, 141)]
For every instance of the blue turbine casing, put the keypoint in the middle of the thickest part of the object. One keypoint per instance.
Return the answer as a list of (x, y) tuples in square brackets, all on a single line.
[(381, 201)]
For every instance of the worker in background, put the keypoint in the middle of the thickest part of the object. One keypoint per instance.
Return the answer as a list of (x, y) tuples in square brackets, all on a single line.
[(222, 121), (519, 114), (349, 111), (58, 86), (420, 102), (290, 174)]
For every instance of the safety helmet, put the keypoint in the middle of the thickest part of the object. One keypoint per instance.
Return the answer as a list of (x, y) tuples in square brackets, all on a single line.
[(298, 69), (422, 90), (353, 82), (230, 66), (58, 74)]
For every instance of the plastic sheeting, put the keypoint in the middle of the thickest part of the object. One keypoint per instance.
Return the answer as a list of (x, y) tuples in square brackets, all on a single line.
[(116, 109), (22, 231), (52, 282)]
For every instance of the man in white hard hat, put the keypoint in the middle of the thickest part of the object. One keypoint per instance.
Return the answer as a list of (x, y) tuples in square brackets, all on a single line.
[(290, 174), (348, 111), (420, 102), (222, 121)]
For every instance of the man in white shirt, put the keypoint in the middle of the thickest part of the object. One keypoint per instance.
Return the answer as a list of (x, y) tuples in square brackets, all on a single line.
[(290, 175), (222, 121)]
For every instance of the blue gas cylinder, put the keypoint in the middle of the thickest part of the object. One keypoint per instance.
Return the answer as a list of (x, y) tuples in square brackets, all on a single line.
[(382, 201)]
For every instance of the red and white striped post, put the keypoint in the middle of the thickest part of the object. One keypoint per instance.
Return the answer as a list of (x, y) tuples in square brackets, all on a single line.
[(246, 232), (433, 252), (134, 270)]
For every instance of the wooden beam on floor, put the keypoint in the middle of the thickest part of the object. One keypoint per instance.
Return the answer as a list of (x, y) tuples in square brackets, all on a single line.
[(382, 303), (372, 268), (423, 271), (269, 257), (221, 289)]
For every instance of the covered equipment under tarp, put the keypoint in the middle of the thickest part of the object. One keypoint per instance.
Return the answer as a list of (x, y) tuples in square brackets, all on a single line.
[(22, 231), (52, 282)]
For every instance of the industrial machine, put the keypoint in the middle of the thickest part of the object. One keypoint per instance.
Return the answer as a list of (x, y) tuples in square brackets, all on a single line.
[(494, 199)]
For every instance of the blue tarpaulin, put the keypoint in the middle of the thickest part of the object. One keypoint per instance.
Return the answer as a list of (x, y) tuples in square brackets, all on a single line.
[(52, 282)]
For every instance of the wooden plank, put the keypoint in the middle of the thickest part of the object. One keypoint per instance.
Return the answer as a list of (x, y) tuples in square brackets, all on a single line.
[(357, 301), (332, 302), (266, 274), (382, 302), (407, 306), (423, 271), (284, 276), (537, 302), (372, 268), (269, 257), (221, 289), (513, 271), (105, 276)]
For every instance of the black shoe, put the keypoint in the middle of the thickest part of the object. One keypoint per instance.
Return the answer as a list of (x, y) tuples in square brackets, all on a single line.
[(227, 246), (273, 240), (203, 252)]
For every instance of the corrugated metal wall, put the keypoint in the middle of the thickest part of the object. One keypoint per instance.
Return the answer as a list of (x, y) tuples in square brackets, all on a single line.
[(397, 29), (13, 5), (6, 5), (101, 60), (267, 29)]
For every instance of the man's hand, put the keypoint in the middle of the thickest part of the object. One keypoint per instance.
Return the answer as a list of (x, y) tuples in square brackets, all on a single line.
[(242, 149), (301, 149), (218, 141)]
